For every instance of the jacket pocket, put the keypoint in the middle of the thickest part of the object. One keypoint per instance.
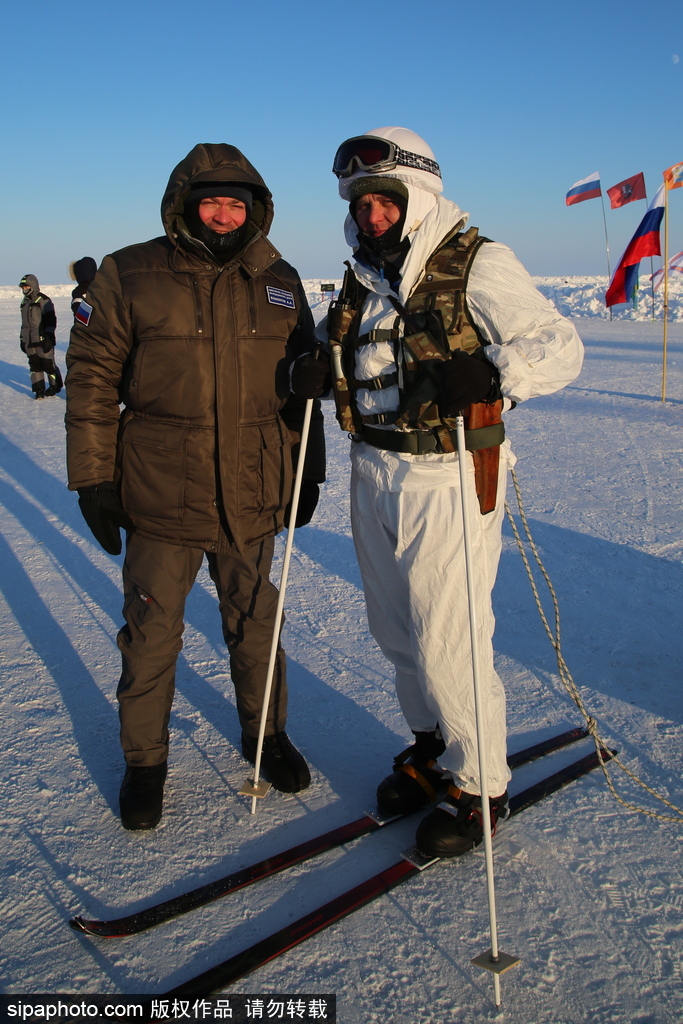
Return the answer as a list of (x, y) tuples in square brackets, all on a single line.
[(153, 470), (266, 468)]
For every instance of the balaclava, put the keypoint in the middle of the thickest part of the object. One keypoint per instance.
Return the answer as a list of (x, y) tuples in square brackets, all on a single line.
[(222, 246), (386, 252), (32, 281)]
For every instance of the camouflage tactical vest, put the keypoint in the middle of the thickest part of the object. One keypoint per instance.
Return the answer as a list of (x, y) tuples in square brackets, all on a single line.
[(436, 323)]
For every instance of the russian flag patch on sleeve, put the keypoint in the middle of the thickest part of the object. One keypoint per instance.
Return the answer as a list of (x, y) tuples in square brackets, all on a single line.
[(280, 297), (83, 313)]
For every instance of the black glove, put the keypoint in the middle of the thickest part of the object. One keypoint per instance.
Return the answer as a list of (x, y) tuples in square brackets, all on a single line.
[(104, 514), (465, 379), (308, 500), (311, 376), (48, 343), (22, 346)]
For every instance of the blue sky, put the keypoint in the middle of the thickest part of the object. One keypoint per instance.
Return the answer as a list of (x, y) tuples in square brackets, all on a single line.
[(518, 101)]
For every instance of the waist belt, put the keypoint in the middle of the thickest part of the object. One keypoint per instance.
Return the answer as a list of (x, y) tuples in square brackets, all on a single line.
[(419, 442)]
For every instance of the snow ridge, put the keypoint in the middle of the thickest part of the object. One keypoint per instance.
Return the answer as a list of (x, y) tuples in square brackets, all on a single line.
[(573, 296)]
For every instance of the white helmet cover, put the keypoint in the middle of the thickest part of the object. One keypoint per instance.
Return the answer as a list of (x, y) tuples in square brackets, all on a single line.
[(411, 143), (423, 186)]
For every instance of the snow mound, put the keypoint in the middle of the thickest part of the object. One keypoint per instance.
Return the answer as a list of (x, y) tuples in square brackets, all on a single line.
[(585, 296)]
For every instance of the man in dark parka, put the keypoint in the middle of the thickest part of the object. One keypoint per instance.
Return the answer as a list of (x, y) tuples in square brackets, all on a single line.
[(194, 332)]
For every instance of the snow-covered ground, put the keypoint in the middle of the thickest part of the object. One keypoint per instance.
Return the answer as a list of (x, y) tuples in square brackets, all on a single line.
[(590, 896)]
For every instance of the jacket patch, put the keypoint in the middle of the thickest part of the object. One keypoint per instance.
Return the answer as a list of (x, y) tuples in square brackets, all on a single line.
[(279, 297), (83, 313)]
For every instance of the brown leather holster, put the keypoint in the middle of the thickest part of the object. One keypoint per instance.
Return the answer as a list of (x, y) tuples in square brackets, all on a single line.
[(486, 460)]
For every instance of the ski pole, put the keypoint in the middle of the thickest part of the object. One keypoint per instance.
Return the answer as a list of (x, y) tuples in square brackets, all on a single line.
[(493, 960), (254, 788)]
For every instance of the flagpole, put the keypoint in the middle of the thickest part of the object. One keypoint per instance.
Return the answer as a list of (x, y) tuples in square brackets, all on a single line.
[(666, 288), (609, 269), (652, 268)]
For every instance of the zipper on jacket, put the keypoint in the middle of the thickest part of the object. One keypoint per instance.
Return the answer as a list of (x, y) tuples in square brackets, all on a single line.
[(252, 306), (198, 304)]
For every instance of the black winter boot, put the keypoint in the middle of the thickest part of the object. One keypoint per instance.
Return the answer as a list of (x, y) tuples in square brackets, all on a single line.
[(455, 825), (281, 763), (39, 389), (142, 796), (56, 384), (416, 779)]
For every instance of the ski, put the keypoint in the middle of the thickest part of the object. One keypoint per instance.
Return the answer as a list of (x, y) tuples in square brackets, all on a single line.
[(205, 894), (261, 953)]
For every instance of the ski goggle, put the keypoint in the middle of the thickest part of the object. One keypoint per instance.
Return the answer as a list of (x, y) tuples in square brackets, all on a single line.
[(370, 153)]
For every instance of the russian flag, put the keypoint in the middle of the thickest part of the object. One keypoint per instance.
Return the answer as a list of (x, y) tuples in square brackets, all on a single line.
[(83, 313), (587, 188), (645, 242)]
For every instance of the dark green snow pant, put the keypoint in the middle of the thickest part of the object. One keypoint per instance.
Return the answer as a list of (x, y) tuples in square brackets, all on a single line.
[(157, 577)]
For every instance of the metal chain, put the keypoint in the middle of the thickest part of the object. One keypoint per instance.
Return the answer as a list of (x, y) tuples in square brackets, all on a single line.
[(565, 674)]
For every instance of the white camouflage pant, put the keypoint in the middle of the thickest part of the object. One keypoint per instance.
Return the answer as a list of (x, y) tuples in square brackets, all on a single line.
[(410, 549)]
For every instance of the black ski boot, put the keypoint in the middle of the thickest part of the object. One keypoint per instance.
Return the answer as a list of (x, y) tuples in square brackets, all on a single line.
[(142, 796), (416, 779), (56, 383), (455, 825), (281, 763), (39, 389)]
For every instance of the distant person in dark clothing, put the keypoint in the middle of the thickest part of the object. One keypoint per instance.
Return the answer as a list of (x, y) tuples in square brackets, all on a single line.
[(83, 273), (37, 339)]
